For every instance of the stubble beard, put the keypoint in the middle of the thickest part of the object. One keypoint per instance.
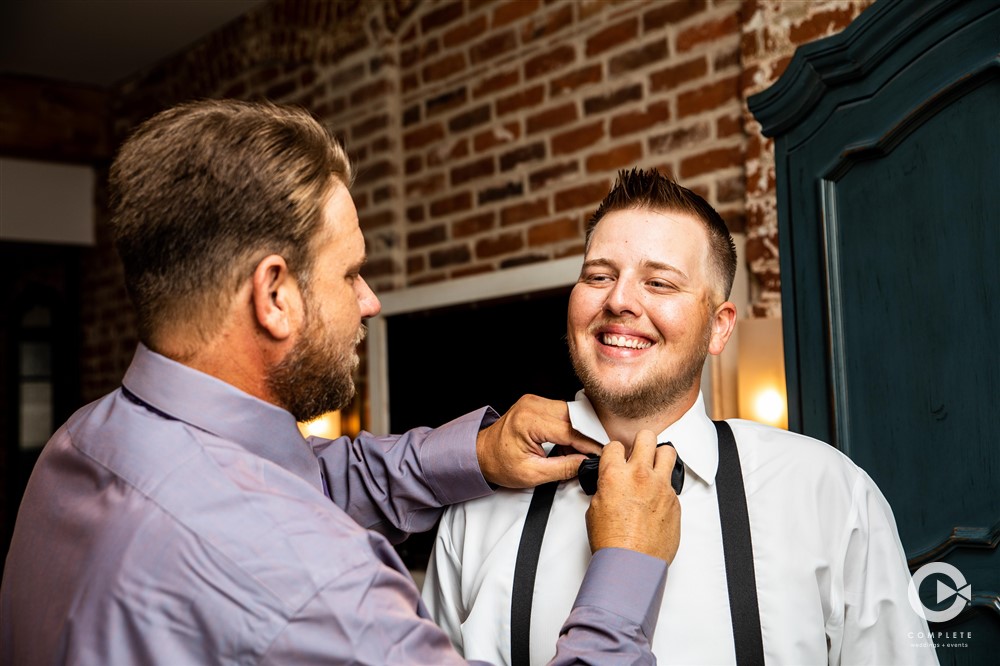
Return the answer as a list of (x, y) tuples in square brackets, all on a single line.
[(650, 396), (317, 375)]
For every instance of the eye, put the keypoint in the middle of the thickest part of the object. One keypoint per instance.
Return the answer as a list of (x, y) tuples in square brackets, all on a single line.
[(661, 285), (598, 278)]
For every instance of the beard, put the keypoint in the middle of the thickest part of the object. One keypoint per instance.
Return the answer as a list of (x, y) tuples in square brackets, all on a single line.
[(317, 375), (651, 394)]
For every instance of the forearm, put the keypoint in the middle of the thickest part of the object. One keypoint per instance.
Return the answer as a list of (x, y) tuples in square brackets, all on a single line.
[(397, 484)]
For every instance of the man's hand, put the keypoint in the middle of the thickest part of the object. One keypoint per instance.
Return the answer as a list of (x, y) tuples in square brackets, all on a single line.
[(635, 507), (510, 451)]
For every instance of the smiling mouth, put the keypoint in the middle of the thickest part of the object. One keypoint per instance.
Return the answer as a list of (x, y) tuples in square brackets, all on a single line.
[(625, 341)]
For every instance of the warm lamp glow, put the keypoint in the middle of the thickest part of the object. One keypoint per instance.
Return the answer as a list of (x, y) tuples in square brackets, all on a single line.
[(761, 372), (769, 407), (327, 425)]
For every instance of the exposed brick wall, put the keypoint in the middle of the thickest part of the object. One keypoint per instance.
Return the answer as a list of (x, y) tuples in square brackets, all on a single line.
[(772, 30), (485, 131)]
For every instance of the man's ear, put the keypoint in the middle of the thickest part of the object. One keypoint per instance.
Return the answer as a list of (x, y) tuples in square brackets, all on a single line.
[(276, 298), (723, 324)]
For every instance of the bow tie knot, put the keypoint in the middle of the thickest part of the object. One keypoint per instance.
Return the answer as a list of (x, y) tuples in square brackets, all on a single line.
[(588, 472)]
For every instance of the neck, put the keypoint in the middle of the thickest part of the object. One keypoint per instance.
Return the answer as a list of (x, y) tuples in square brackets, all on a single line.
[(624, 428)]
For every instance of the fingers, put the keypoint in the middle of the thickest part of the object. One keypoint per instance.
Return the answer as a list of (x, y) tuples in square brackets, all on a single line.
[(643, 448), (552, 424)]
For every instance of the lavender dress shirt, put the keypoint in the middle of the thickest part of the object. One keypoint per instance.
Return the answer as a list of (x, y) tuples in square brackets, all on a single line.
[(181, 521)]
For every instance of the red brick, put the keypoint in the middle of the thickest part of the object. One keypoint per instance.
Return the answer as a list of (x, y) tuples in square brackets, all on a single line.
[(496, 136), (679, 138), (415, 263), (443, 68), (749, 46), (378, 220), (457, 254), (819, 25), (575, 79), (465, 32), (559, 116), (410, 82), (601, 103), (549, 24), (547, 233), (456, 151), (706, 98), (513, 10), (730, 190), (543, 177), (471, 270), (415, 213), (726, 59), (422, 136), (493, 46), (529, 153), (577, 139), (503, 244), (708, 32), (425, 237), (453, 204), (371, 91), (446, 101), (711, 160), (473, 225), (369, 126), (379, 268), (524, 211), (728, 126), (583, 195), (520, 100), (616, 158), (428, 279), (548, 62), (414, 164), (425, 186), (672, 77), (441, 17), (473, 171), (470, 118), (612, 36), (497, 82), (571, 251), (524, 260), (638, 58), (670, 13), (638, 121)]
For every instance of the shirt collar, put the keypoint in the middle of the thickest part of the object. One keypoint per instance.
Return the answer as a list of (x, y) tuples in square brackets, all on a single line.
[(221, 409), (693, 435)]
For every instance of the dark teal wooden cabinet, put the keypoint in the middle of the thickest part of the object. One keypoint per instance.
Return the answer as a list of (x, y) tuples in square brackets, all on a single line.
[(887, 143)]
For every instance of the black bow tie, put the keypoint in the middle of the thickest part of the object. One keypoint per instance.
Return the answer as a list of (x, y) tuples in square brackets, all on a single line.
[(589, 468)]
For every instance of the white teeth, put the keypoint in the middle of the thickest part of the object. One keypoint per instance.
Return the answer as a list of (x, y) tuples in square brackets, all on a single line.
[(622, 341)]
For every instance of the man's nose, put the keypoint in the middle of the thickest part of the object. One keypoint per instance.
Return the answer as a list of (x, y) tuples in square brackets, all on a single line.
[(367, 300), (624, 298)]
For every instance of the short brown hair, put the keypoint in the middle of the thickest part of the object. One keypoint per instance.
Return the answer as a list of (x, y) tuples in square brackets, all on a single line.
[(203, 191), (641, 189)]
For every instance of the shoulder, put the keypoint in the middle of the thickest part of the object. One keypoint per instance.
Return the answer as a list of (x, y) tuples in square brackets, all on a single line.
[(772, 456)]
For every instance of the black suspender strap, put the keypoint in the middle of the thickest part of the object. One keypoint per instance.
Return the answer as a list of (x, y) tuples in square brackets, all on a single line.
[(524, 572), (738, 551), (736, 546)]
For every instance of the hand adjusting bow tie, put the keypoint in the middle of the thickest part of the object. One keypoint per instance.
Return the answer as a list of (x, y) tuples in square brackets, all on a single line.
[(588, 472)]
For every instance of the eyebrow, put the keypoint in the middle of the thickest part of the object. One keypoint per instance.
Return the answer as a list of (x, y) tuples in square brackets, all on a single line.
[(655, 265)]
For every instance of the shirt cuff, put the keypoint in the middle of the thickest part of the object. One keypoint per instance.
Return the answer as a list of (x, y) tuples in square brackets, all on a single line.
[(626, 583), (451, 462)]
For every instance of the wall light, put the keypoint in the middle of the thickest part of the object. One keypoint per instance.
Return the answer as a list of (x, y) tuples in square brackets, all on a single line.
[(327, 425), (761, 372)]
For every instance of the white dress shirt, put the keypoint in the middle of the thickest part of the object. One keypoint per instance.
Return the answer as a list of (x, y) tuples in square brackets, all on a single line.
[(831, 573)]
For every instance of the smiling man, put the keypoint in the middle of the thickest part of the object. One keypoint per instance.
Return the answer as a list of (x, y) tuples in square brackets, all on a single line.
[(788, 552)]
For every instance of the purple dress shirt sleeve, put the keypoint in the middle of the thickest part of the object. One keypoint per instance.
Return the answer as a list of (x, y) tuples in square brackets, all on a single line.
[(397, 484)]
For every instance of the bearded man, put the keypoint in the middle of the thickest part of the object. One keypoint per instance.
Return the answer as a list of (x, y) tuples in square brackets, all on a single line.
[(182, 519), (788, 551)]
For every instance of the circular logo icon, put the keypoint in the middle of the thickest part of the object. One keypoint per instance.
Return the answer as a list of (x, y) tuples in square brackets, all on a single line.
[(960, 591)]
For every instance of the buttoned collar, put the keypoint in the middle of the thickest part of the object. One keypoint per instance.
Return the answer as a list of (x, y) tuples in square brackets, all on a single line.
[(693, 435), (212, 405)]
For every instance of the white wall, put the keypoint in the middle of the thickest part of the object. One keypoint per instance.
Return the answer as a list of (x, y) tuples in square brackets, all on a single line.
[(46, 202)]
